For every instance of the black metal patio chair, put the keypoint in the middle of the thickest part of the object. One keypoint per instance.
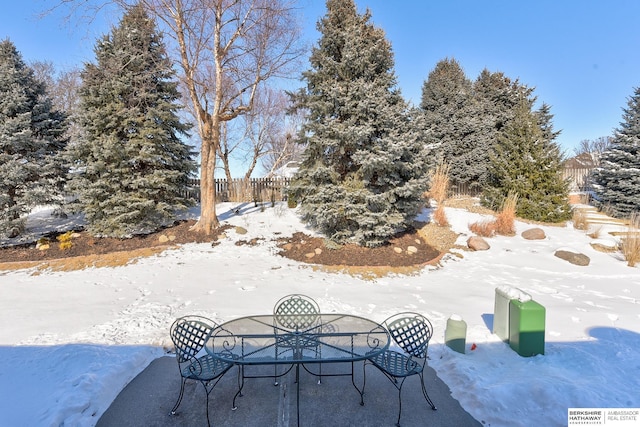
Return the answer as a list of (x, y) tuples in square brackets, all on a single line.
[(296, 313), (189, 335), (411, 332)]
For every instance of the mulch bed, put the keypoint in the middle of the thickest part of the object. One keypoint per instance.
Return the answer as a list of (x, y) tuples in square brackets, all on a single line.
[(85, 244), (304, 248), (300, 247)]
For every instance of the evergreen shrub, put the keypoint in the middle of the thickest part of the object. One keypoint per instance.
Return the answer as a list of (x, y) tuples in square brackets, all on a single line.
[(363, 172)]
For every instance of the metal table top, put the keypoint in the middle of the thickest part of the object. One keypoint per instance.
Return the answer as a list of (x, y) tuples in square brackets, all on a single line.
[(300, 338)]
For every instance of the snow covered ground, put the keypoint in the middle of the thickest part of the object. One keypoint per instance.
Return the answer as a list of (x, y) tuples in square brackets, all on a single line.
[(70, 341)]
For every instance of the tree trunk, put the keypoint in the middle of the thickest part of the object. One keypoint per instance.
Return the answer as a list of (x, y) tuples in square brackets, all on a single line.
[(208, 221)]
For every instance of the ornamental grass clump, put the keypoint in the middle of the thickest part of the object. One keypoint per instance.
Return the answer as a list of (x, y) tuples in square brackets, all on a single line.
[(440, 217), (595, 232), (439, 187), (65, 240), (505, 220), (579, 219), (483, 228), (630, 244)]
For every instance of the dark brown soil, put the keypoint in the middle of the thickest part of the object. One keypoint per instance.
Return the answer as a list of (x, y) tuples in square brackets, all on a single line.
[(396, 253), (299, 247), (84, 244)]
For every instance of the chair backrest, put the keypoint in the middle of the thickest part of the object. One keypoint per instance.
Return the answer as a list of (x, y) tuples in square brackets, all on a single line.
[(411, 331), (296, 311), (189, 335)]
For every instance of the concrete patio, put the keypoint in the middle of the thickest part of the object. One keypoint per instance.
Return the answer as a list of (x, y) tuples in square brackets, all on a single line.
[(148, 399)]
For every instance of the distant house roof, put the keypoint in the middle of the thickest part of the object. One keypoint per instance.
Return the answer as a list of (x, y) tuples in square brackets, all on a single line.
[(581, 161), (286, 171), (578, 170)]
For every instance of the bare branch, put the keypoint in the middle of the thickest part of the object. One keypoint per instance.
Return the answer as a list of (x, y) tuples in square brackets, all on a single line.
[(225, 49)]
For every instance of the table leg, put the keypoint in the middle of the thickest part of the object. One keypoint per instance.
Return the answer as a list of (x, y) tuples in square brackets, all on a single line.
[(298, 392), (240, 387), (353, 381)]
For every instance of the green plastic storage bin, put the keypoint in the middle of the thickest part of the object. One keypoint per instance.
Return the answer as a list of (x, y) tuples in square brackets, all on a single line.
[(526, 327)]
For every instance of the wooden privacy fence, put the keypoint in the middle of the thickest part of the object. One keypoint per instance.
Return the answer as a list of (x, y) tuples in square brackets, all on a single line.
[(241, 190), (580, 178), (275, 189), (463, 190)]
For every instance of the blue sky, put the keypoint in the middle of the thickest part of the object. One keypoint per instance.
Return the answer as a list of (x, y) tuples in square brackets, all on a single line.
[(583, 57)]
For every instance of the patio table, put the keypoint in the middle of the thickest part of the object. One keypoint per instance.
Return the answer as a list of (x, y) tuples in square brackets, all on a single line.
[(285, 340)]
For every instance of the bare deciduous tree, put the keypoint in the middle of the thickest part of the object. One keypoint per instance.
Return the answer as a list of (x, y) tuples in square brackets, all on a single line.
[(594, 147), (45, 72), (264, 127), (285, 147), (62, 87), (257, 135), (226, 49), (264, 136)]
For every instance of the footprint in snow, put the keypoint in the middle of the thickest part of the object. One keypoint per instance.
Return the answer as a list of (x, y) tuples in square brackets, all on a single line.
[(437, 314), (419, 298)]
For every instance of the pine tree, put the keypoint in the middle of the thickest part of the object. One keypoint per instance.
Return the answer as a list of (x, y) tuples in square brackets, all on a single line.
[(527, 161), (496, 98), (32, 170), (132, 164), (363, 172), (617, 181), (451, 118), (500, 97)]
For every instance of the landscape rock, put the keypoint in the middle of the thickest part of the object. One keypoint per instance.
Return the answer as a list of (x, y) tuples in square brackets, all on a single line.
[(412, 250), (163, 238), (534, 234), (310, 255), (241, 230), (42, 244), (574, 258), (318, 251), (477, 243), (397, 250)]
